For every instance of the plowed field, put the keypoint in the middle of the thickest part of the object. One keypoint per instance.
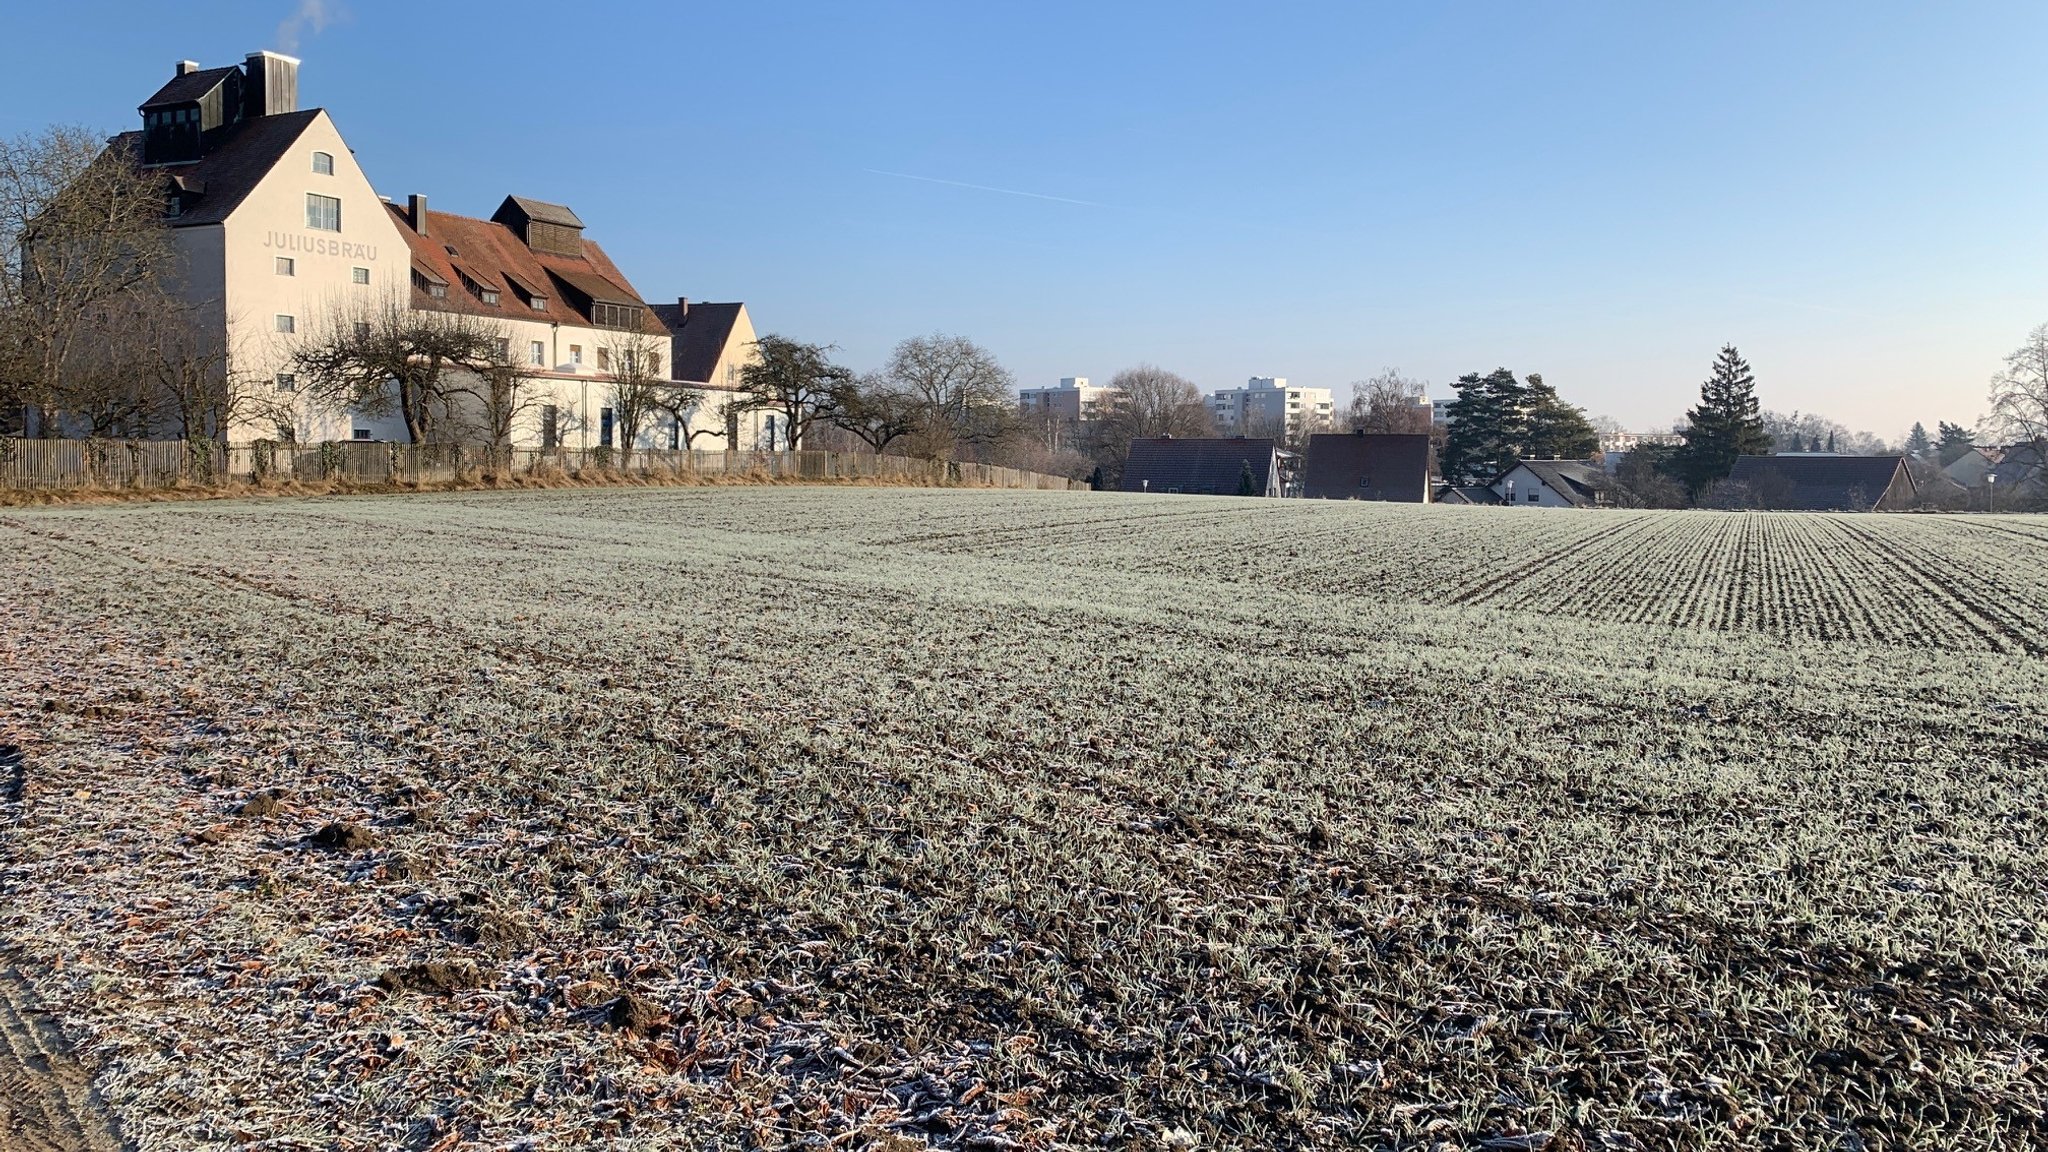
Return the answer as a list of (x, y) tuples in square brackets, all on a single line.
[(761, 818)]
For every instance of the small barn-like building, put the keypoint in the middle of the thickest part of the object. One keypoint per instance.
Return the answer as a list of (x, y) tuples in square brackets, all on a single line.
[(1369, 466), (1822, 483), (1205, 466)]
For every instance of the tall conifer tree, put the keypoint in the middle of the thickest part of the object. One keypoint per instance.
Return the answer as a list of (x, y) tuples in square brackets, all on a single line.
[(1726, 424)]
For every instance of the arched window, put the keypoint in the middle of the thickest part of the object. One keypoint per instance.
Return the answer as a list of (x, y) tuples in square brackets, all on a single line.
[(323, 163)]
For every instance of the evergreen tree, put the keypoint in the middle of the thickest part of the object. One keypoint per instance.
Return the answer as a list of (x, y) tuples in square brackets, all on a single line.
[(1489, 425), (1917, 443), (1955, 442), (1555, 430), (1831, 441), (1726, 424)]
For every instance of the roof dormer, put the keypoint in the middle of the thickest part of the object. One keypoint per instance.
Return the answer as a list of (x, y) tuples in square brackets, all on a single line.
[(541, 226)]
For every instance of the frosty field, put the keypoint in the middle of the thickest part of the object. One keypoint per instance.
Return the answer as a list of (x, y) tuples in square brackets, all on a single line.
[(876, 818)]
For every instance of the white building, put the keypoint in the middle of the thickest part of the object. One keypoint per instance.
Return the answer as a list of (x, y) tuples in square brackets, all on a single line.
[(1075, 400), (283, 237), (1268, 406)]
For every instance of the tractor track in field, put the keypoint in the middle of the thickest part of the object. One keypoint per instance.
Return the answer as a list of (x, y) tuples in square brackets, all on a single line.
[(47, 1102)]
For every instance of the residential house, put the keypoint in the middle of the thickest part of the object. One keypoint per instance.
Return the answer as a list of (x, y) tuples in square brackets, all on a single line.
[(1211, 466), (1970, 469), (1465, 494), (1822, 483), (1268, 406), (1555, 484), (1369, 466), (711, 344)]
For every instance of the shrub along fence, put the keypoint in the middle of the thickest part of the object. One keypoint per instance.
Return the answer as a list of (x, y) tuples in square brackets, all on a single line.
[(60, 464)]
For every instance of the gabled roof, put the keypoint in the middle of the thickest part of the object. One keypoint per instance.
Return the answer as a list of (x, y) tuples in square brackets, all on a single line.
[(542, 211), (494, 255), (1467, 494), (1368, 466), (1212, 466), (1580, 484), (701, 334), (189, 88), (231, 168), (1820, 483)]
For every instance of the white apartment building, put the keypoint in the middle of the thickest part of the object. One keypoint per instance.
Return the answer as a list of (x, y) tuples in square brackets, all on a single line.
[(1268, 406), (1075, 400), (283, 236)]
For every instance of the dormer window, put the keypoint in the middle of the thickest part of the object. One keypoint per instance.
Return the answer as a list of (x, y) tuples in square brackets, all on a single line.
[(538, 303), (323, 164)]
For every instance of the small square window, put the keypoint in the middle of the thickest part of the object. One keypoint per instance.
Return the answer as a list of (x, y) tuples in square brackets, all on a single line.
[(504, 349), (286, 382), (575, 353), (287, 323), (537, 303), (286, 266), (362, 331), (489, 295), (1535, 497), (323, 164), (359, 275), (361, 433)]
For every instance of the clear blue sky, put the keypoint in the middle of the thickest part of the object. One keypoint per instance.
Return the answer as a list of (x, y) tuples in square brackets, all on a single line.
[(1600, 192)]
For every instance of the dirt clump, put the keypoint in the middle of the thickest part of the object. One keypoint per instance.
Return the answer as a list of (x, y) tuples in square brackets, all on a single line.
[(344, 837), (443, 976), (260, 805), (635, 1014)]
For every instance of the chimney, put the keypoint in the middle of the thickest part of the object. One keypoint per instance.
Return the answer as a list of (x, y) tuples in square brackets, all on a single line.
[(416, 207), (682, 307), (273, 85), (186, 68)]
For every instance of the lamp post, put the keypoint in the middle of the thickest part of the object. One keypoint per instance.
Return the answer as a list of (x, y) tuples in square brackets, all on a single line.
[(1511, 493), (1991, 491)]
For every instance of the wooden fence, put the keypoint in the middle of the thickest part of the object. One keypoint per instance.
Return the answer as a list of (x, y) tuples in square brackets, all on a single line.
[(60, 464)]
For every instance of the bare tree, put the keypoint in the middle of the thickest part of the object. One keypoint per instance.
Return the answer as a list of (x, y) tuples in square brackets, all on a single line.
[(640, 389), (1149, 401), (791, 380), (83, 242), (1389, 403), (960, 390), (386, 356), (875, 409), (2019, 393)]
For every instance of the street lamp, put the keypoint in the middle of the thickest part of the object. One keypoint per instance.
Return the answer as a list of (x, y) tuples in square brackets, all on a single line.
[(1991, 491), (1511, 493)]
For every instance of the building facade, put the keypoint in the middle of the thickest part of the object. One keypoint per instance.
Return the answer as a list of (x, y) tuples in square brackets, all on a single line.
[(284, 241), (1063, 415), (1268, 406)]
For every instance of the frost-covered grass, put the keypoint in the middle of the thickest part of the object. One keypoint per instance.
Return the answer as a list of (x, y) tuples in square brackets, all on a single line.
[(872, 818)]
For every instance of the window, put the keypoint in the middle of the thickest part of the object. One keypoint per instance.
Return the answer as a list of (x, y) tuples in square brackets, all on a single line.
[(360, 275), (538, 352), (604, 427), (286, 323), (1534, 497), (488, 295), (615, 316), (286, 266), (576, 354), (286, 382), (675, 434), (323, 164), (654, 363), (323, 213), (537, 303), (550, 425), (604, 359), (361, 433), (362, 331), (504, 350)]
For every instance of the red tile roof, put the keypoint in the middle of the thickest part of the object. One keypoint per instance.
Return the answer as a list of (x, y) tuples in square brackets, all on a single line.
[(495, 257)]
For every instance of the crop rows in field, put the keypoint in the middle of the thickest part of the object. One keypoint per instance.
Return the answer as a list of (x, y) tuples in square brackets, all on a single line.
[(751, 818)]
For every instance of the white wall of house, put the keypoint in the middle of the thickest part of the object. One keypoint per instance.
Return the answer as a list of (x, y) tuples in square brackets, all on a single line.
[(1526, 484)]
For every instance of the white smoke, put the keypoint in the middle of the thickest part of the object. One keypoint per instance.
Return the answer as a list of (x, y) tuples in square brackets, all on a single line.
[(311, 16)]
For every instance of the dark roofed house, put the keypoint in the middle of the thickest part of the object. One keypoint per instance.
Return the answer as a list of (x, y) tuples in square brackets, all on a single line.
[(1821, 483), (1465, 494), (703, 334), (1208, 466), (1556, 484), (1368, 466)]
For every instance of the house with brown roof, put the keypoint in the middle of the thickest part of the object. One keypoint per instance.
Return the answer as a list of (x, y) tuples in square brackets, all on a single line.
[(1369, 466), (286, 240), (1819, 483)]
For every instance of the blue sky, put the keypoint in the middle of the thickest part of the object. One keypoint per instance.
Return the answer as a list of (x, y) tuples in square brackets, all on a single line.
[(1601, 192)]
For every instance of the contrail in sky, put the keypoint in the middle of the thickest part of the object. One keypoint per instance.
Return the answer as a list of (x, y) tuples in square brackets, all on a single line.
[(983, 188)]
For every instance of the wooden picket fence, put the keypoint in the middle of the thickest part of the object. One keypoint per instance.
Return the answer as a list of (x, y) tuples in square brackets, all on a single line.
[(61, 464)]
